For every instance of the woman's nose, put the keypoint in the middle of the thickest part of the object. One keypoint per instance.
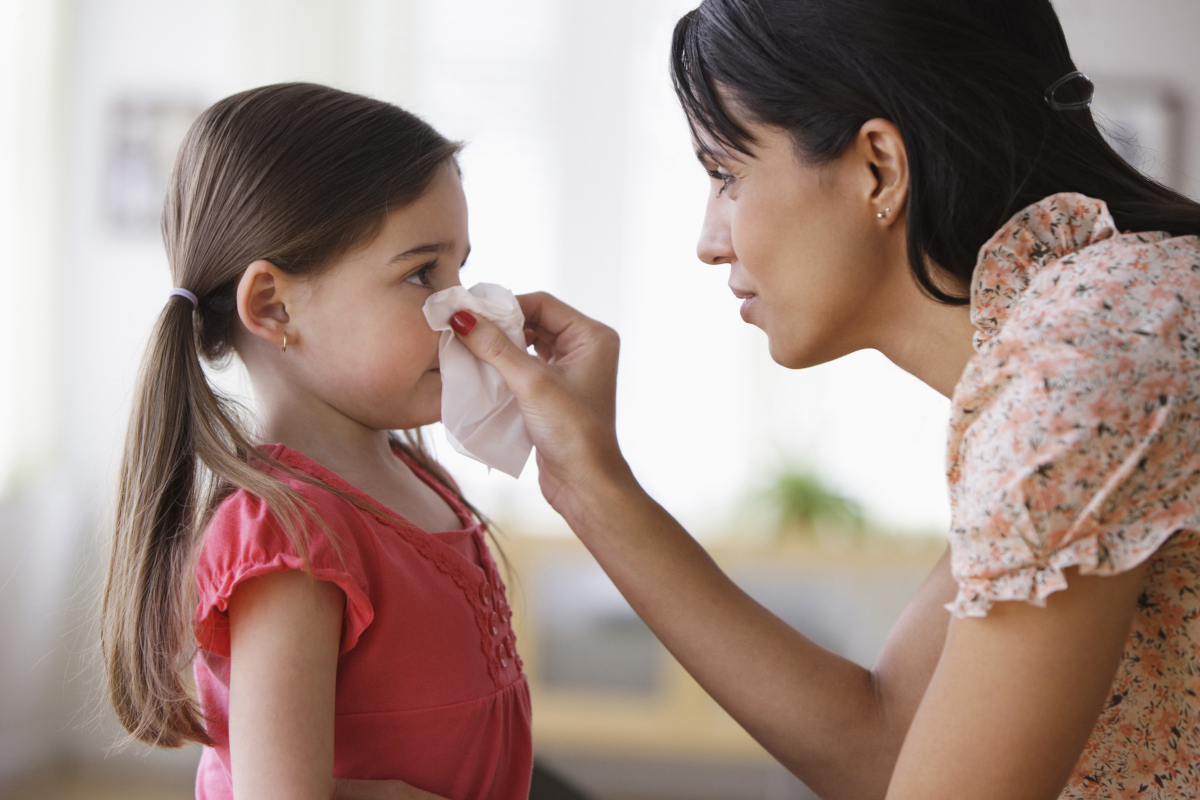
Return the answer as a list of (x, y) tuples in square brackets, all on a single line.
[(715, 245)]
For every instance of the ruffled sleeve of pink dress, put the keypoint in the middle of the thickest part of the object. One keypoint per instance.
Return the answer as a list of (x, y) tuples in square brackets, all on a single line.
[(1075, 441)]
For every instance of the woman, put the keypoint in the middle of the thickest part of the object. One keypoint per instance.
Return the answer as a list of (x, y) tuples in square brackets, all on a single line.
[(924, 178)]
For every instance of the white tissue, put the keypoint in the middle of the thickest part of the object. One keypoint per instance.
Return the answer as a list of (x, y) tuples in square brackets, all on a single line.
[(479, 411)]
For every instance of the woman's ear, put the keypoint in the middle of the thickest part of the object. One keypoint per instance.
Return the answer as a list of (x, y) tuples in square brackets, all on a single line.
[(262, 295), (882, 147)]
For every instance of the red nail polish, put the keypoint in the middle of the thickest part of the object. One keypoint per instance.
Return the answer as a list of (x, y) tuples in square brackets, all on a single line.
[(463, 322)]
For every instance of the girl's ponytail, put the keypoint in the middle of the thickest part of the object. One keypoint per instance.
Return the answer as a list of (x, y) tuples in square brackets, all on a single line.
[(144, 631)]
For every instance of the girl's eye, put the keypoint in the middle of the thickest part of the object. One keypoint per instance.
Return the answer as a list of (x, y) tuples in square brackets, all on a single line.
[(720, 175), (421, 276)]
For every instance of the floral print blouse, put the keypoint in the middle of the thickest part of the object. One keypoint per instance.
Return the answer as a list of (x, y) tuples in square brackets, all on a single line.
[(1075, 441)]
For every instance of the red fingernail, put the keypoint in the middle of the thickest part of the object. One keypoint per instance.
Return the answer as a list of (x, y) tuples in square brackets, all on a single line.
[(463, 322)]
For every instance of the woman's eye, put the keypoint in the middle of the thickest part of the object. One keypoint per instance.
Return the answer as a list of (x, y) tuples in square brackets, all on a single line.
[(720, 175), (421, 276)]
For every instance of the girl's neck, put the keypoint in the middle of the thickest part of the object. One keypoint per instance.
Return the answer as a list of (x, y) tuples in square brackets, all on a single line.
[(359, 455), (349, 448)]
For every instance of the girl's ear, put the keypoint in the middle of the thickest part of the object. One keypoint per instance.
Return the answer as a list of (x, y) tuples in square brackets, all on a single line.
[(262, 300)]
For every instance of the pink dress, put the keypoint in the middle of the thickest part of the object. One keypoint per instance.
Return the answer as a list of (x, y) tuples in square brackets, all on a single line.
[(1075, 441), (429, 685)]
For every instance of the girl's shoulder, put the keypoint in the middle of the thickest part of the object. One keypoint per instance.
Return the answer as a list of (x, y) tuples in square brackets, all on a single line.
[(329, 532), (243, 515), (245, 538)]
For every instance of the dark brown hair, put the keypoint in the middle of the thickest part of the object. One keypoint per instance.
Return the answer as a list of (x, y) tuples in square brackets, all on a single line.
[(294, 173), (964, 82)]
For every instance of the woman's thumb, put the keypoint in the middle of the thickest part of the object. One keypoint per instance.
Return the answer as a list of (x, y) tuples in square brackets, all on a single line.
[(492, 346)]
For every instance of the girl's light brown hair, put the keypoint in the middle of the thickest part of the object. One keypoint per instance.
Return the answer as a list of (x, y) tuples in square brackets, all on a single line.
[(294, 173)]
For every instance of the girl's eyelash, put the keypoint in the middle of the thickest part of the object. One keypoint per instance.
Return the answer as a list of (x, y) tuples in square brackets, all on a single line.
[(422, 275)]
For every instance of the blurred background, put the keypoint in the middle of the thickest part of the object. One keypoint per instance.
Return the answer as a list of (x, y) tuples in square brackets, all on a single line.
[(820, 491)]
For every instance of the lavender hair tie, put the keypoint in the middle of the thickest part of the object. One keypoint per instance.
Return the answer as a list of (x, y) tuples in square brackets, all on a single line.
[(185, 293)]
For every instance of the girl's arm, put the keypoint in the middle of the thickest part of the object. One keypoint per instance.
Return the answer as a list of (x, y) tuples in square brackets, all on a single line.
[(285, 630)]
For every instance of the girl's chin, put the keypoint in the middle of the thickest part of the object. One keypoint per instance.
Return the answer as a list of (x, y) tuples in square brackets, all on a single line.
[(417, 415)]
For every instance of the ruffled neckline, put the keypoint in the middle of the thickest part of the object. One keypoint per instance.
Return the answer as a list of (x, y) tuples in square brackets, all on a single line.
[(315, 469)]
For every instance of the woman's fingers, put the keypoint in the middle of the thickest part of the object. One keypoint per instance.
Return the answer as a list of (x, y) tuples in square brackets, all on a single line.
[(546, 311), (344, 789), (567, 393), (492, 346)]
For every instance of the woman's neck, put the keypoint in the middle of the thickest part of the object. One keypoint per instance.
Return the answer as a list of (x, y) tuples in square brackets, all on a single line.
[(936, 348), (925, 338)]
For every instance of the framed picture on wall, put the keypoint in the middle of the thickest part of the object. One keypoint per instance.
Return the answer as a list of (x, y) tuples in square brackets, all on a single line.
[(143, 135)]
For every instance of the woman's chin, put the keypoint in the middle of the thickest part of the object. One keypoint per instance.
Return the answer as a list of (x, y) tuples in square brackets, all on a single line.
[(794, 355)]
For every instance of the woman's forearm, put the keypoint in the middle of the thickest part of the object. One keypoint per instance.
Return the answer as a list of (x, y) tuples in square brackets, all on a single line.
[(836, 725)]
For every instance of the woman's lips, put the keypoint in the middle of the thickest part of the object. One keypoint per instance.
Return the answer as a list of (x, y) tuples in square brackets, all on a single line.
[(747, 307), (747, 299)]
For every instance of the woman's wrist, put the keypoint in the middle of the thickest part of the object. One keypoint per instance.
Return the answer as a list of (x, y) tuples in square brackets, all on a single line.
[(598, 485)]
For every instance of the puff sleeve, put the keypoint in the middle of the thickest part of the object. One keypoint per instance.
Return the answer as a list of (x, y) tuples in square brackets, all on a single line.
[(1074, 434), (244, 540)]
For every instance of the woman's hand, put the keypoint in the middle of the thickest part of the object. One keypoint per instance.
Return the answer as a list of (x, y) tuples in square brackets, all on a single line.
[(567, 393), (379, 790)]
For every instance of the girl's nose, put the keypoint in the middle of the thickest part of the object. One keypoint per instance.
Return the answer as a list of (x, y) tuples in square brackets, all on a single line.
[(715, 245)]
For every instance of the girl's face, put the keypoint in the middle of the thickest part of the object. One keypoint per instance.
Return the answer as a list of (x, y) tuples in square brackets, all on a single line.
[(814, 264), (362, 344)]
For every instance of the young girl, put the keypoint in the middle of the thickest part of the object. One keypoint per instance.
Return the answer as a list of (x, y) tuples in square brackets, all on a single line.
[(348, 619)]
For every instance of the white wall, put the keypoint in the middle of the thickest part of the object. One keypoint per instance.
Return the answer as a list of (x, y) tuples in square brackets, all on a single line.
[(580, 180)]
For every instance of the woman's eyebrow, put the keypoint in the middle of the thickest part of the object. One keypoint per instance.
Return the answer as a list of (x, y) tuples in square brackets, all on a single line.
[(705, 155)]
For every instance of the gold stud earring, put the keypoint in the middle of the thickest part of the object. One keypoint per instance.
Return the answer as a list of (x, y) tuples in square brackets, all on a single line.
[(285, 341)]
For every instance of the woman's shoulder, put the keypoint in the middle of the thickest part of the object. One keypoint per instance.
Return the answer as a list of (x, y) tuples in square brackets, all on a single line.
[(1079, 322), (1075, 429), (1061, 264)]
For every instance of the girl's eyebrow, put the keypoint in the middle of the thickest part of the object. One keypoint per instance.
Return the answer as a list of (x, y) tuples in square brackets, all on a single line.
[(420, 250)]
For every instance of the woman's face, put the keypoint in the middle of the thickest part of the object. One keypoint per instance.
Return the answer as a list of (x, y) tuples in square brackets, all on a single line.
[(808, 254)]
